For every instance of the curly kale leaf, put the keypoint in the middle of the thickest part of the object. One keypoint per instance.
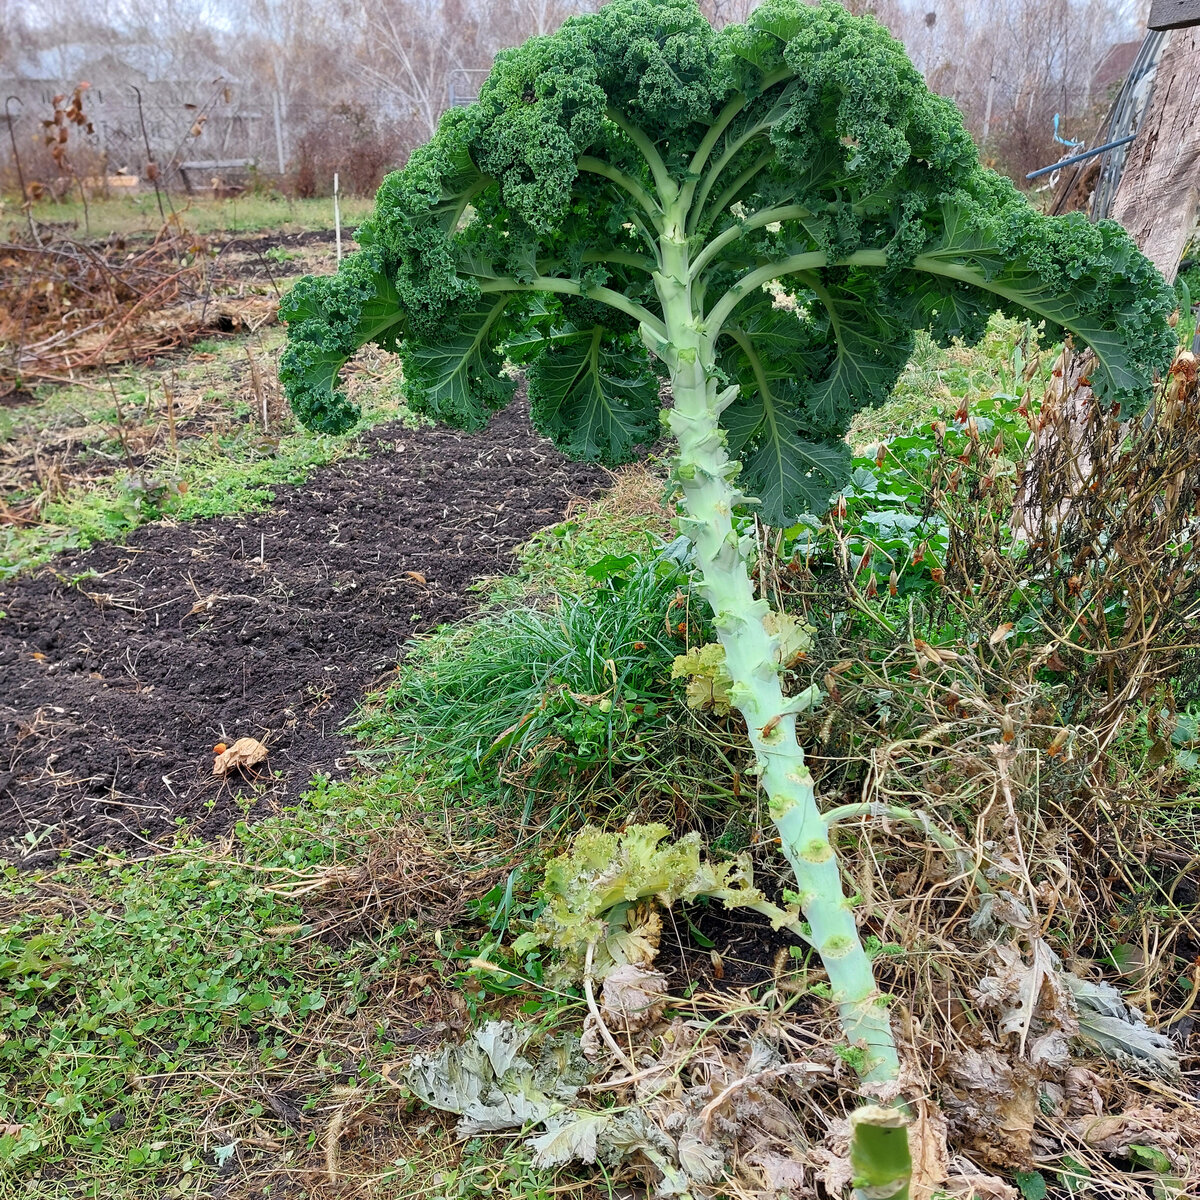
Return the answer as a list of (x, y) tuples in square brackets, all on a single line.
[(801, 147), (593, 393), (1090, 280), (329, 318), (598, 893), (458, 378)]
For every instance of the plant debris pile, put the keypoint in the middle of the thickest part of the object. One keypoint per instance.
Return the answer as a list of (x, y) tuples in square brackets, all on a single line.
[(1010, 1059), (67, 305)]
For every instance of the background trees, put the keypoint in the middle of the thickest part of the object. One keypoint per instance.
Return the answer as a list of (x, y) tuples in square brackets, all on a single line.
[(354, 86)]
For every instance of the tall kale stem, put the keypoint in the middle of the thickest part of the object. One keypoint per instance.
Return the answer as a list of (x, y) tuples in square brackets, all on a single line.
[(706, 475)]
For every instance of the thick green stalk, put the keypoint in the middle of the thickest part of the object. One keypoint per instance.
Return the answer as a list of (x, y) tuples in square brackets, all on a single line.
[(706, 477), (879, 1154)]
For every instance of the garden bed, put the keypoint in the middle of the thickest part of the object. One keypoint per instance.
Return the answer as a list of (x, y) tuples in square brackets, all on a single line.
[(122, 666)]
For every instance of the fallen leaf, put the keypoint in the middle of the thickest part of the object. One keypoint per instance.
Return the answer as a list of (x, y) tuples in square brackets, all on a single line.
[(832, 1158), (576, 1139), (780, 1174), (979, 1187), (1028, 992), (699, 1161), (245, 752), (632, 997), (1000, 633), (991, 1107), (417, 576), (927, 1145), (1115, 1133)]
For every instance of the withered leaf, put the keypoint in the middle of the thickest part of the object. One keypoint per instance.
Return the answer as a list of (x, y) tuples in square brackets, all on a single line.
[(979, 1187), (633, 997), (927, 1144), (245, 752)]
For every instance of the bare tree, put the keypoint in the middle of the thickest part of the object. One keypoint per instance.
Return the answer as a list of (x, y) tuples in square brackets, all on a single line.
[(414, 47), (1010, 64)]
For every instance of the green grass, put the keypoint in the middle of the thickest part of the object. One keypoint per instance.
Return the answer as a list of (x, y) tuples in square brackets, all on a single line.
[(148, 1008), (129, 215), (236, 475), (543, 692), (937, 379)]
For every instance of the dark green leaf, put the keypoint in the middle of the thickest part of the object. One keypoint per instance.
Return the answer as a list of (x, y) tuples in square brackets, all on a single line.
[(458, 380), (1088, 279), (594, 394), (872, 348), (329, 318), (1032, 1185), (791, 475)]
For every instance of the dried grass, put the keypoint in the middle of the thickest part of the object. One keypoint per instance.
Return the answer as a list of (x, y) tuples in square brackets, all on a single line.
[(67, 306), (399, 879), (637, 498)]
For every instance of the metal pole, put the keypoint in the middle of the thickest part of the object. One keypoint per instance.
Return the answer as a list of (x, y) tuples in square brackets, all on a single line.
[(1066, 162)]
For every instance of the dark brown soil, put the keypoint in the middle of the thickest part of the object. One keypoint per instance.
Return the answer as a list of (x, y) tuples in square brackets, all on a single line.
[(121, 667)]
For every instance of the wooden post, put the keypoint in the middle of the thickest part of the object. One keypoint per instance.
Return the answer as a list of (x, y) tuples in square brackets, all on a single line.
[(337, 219), (1174, 14), (1158, 198), (278, 133)]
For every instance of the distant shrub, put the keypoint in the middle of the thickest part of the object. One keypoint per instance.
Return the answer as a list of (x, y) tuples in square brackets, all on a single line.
[(350, 141)]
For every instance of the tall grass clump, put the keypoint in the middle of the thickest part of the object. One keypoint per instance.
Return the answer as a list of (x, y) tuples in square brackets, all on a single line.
[(537, 693)]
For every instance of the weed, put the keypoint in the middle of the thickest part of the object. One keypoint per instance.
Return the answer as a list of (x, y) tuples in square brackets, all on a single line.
[(537, 693)]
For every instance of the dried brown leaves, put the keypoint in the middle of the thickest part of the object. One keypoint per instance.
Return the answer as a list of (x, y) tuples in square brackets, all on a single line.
[(69, 305), (245, 753)]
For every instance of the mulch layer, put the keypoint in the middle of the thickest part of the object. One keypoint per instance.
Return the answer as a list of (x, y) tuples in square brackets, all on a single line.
[(121, 667)]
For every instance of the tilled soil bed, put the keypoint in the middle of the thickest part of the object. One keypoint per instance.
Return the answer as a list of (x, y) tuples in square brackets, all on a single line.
[(121, 667)]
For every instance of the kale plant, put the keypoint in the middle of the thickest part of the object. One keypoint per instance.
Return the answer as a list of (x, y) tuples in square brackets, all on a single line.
[(762, 216)]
